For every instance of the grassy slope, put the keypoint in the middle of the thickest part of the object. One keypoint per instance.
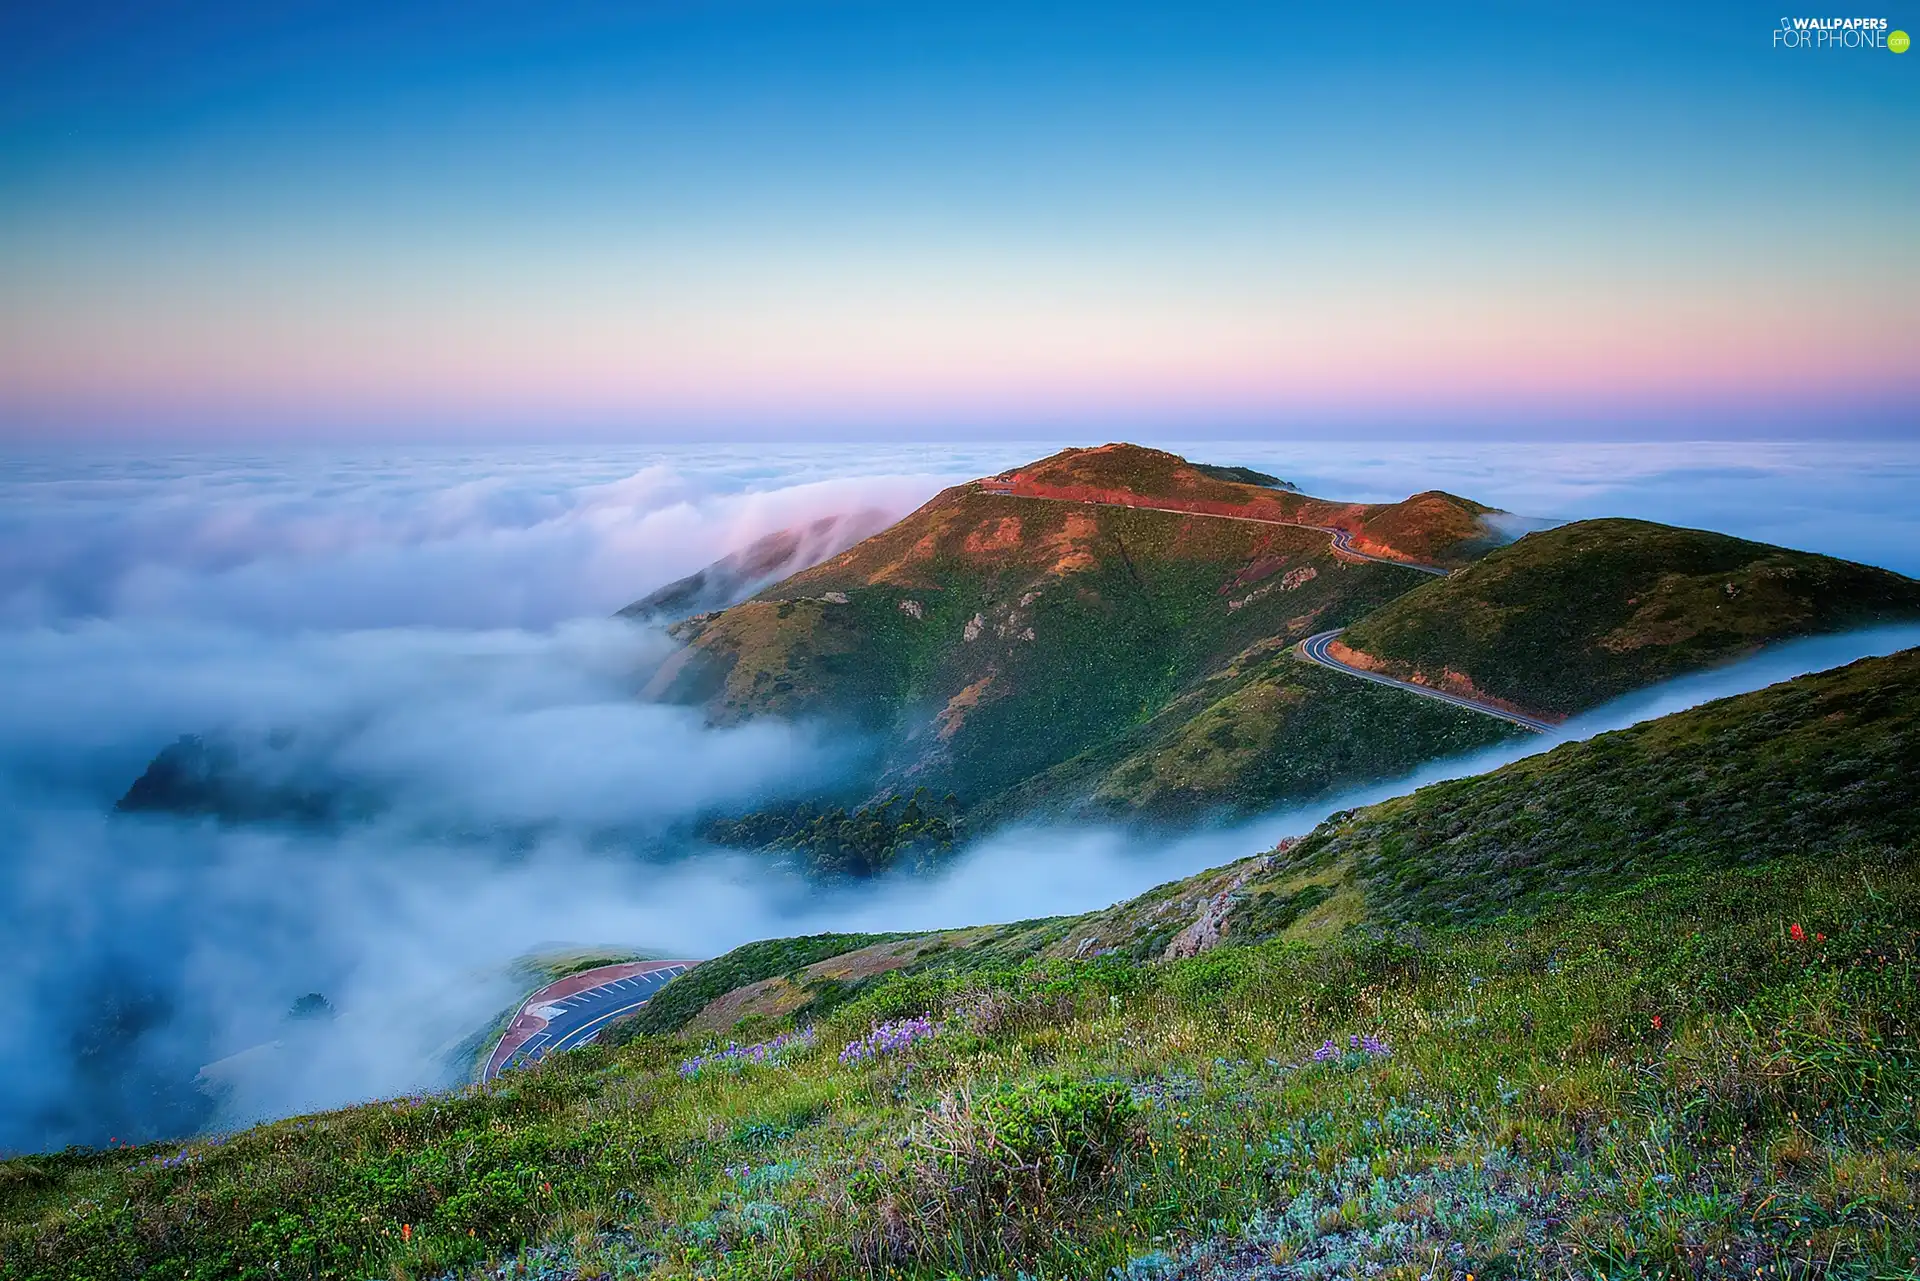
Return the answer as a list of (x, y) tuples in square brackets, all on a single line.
[(1265, 727), (1565, 619), (1092, 622), (1810, 764), (1701, 1056)]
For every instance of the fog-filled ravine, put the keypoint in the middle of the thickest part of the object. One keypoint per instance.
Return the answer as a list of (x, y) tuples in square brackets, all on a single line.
[(434, 631)]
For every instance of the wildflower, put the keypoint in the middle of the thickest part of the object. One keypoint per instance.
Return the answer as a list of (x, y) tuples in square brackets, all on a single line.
[(1365, 1045), (1819, 938), (734, 1054), (1796, 933), (1656, 1022), (885, 1038), (406, 1232)]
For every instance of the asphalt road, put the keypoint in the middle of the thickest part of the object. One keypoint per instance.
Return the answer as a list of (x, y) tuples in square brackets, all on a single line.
[(1342, 540), (576, 1020), (1314, 650)]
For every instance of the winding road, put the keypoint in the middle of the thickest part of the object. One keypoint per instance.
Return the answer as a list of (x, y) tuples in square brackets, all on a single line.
[(573, 1011), (1315, 649), (1342, 539)]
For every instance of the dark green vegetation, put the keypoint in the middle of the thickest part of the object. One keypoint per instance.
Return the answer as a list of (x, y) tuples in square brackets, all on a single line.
[(1812, 764), (1266, 726), (1568, 618), (1244, 476), (1678, 1034), (918, 831)]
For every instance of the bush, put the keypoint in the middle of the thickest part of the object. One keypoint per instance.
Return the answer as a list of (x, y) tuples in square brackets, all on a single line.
[(993, 1173), (1075, 1127)]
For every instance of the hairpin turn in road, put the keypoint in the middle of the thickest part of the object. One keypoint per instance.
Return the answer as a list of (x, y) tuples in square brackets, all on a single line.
[(1315, 650)]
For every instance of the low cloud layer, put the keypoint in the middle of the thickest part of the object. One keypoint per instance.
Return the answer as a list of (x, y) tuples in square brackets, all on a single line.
[(506, 538), (1849, 499), (432, 633)]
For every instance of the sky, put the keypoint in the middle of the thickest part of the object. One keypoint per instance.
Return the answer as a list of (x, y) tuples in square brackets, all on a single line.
[(805, 220)]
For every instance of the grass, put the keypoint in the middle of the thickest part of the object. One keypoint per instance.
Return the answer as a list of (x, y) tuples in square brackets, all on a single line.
[(674, 1006), (1807, 764), (1665, 1082), (1568, 618), (1692, 1051)]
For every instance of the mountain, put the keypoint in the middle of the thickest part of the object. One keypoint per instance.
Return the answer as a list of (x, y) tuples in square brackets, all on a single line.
[(1107, 626), (1110, 631), (1431, 528), (740, 574), (1567, 618), (204, 775), (1642, 1005)]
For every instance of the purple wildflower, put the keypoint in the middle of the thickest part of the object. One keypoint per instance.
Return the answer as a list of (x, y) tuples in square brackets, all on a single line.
[(885, 1038), (1359, 1046), (734, 1054), (173, 1162)]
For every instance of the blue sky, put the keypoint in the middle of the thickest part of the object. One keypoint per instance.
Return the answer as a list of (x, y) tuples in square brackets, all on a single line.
[(805, 219)]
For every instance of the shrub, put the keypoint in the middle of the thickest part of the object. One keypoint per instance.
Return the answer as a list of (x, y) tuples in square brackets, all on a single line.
[(993, 1172)]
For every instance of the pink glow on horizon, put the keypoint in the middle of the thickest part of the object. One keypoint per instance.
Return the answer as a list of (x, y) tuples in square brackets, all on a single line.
[(1077, 364)]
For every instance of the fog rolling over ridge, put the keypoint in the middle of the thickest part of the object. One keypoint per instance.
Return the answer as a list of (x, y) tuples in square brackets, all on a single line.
[(437, 633)]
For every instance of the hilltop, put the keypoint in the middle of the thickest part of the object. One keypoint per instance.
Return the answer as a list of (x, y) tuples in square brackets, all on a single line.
[(1643, 1004), (1105, 627), (1429, 528), (1567, 618)]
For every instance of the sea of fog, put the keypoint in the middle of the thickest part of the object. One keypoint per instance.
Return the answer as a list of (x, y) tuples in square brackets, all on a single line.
[(434, 624)]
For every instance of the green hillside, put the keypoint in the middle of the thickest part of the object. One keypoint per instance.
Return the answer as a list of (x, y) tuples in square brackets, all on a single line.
[(1568, 618), (1053, 643), (1644, 1006), (991, 638), (1265, 727)]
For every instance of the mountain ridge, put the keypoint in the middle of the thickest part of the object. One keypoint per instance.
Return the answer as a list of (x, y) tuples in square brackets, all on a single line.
[(1066, 638), (1099, 631)]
